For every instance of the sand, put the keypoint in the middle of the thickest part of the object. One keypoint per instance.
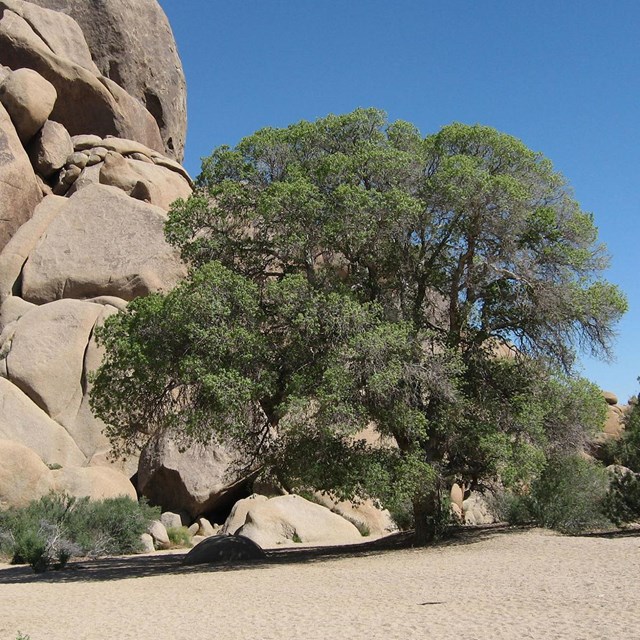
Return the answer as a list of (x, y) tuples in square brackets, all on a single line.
[(523, 584)]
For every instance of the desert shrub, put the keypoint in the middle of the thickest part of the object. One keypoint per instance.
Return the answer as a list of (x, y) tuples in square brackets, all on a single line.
[(57, 527), (622, 503), (569, 496), (179, 536), (512, 507), (38, 534), (114, 526)]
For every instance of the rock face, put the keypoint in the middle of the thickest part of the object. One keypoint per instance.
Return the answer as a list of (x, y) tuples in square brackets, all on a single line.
[(46, 356), (132, 44), (23, 476), (287, 520), (95, 483), (477, 510), (85, 252), (21, 420), (193, 481), (19, 191), (75, 133), (87, 102)]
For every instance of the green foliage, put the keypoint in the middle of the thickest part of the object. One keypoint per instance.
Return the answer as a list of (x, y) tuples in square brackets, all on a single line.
[(179, 536), (296, 538), (57, 527), (23, 636), (622, 503), (570, 495), (348, 273), (512, 507)]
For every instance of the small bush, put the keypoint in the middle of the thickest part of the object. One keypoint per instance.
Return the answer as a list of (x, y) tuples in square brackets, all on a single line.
[(179, 536), (114, 526), (57, 527), (513, 508), (569, 496), (622, 503)]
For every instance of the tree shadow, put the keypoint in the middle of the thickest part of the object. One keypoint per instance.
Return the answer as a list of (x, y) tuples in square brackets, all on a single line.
[(128, 567)]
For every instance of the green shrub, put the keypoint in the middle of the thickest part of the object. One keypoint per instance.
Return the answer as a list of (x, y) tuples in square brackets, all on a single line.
[(569, 496), (179, 536), (402, 514), (57, 527), (511, 507), (114, 526), (622, 503), (38, 534)]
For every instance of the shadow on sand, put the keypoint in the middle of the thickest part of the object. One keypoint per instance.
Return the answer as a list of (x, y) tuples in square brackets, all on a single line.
[(127, 567)]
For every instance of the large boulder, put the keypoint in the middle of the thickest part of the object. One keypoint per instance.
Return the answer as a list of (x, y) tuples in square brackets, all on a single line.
[(102, 243), (223, 548), (238, 515), (192, 480), (369, 519), (25, 239), (87, 103), (23, 475), (46, 356), (19, 191), (95, 483), (21, 420), (59, 32), (132, 44), (287, 520), (29, 100)]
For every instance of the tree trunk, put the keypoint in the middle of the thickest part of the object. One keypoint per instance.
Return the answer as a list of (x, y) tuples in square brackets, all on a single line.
[(425, 514)]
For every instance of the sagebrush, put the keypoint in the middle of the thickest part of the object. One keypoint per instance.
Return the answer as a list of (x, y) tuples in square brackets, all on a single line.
[(49, 531)]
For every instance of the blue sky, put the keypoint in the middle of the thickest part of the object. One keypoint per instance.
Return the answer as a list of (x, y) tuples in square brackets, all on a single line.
[(563, 76)]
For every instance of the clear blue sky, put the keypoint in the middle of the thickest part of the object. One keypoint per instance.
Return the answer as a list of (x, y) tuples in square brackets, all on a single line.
[(561, 75)]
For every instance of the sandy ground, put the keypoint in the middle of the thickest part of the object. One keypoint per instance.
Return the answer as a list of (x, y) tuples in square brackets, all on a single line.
[(523, 584)]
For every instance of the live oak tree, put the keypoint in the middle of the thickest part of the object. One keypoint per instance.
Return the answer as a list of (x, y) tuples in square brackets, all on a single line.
[(348, 273)]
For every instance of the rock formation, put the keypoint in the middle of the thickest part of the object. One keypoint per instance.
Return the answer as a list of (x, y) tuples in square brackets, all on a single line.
[(84, 191), (289, 520), (131, 43)]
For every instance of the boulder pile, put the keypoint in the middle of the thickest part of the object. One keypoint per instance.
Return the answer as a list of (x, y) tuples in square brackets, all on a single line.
[(88, 170)]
